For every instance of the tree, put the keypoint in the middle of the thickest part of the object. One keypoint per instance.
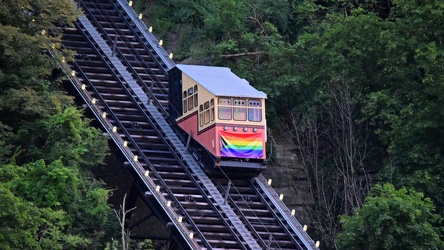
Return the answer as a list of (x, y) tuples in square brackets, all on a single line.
[(29, 86), (25, 221), (389, 64), (52, 205), (332, 149), (121, 216), (405, 107), (5, 139), (48, 196), (392, 219), (65, 135)]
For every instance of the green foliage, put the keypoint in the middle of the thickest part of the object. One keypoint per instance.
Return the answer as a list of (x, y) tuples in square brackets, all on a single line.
[(14, 215), (21, 62), (65, 136), (145, 245), (74, 210), (21, 23), (139, 5), (26, 104), (37, 15), (392, 219), (5, 146), (28, 220), (48, 198), (24, 69), (48, 185), (405, 106)]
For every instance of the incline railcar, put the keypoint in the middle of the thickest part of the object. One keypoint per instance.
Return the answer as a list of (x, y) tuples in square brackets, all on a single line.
[(222, 114)]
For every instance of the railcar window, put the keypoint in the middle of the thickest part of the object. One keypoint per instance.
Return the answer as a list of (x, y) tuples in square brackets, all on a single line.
[(254, 110), (207, 112), (240, 114), (184, 98), (201, 115), (224, 111), (195, 95), (190, 99), (212, 109)]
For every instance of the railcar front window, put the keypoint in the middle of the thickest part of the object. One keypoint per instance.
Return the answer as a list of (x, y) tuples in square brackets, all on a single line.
[(224, 109), (240, 114), (254, 110)]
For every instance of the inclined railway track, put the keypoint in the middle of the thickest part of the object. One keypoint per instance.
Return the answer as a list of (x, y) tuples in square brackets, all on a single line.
[(144, 139), (122, 35), (110, 49), (259, 213)]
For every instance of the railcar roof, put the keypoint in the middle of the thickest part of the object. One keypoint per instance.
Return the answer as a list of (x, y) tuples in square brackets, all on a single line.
[(220, 81)]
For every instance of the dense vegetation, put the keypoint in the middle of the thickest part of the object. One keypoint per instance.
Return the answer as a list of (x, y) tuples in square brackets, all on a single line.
[(357, 84), (391, 219), (48, 197)]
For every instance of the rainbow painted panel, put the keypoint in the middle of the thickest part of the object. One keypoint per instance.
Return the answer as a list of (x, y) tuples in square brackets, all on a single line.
[(241, 145)]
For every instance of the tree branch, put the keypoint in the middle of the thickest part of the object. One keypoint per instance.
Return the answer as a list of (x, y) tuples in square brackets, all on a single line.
[(243, 54)]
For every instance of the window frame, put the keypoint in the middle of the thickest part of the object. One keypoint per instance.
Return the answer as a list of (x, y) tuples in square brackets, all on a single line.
[(254, 112), (223, 108), (240, 109)]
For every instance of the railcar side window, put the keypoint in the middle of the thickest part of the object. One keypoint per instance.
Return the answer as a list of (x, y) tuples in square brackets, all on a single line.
[(207, 112), (184, 98), (240, 114), (224, 109), (254, 110), (212, 109), (190, 99), (201, 115), (195, 95)]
